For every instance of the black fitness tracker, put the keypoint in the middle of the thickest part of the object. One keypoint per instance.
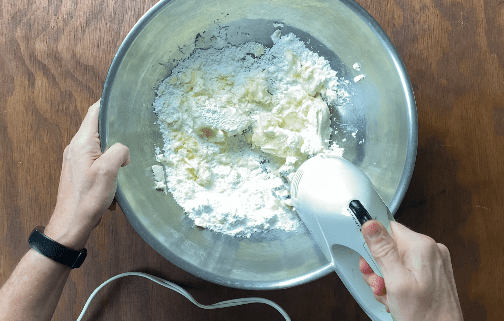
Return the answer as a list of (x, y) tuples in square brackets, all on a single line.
[(53, 250)]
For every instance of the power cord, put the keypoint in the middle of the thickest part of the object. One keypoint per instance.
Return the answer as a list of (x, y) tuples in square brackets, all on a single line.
[(176, 288)]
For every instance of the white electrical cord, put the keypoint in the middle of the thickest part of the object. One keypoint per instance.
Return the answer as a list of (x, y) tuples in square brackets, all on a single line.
[(176, 288)]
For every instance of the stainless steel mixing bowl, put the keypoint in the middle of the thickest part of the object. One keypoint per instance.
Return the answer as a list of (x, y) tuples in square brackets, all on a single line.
[(381, 111)]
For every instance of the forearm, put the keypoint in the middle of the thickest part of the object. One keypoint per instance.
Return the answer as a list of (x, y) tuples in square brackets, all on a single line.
[(34, 288)]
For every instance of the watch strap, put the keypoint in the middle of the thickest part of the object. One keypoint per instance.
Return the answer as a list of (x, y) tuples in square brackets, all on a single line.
[(54, 250)]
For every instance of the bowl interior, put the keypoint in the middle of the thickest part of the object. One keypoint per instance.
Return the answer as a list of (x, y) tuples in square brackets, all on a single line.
[(381, 114)]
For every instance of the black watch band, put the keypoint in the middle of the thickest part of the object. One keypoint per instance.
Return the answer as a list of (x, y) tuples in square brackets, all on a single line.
[(53, 250)]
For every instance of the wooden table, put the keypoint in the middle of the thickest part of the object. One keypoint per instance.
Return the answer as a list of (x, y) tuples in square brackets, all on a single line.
[(54, 57)]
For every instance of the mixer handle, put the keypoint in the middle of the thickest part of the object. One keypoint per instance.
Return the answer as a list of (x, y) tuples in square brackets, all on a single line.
[(351, 277)]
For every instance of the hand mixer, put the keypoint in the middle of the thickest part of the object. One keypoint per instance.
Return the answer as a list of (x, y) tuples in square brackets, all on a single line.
[(334, 199)]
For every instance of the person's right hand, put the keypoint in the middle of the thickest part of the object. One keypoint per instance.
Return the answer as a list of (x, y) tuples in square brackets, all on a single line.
[(418, 281)]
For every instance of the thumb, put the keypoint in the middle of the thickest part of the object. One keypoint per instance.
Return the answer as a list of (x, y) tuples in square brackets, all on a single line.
[(383, 248), (116, 156)]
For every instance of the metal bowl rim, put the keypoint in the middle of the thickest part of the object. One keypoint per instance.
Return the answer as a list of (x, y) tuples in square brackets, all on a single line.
[(258, 285)]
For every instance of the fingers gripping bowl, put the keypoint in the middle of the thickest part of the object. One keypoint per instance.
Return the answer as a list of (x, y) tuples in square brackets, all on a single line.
[(381, 113)]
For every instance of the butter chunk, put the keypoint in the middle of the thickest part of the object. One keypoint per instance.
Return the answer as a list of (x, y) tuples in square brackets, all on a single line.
[(158, 172), (300, 125)]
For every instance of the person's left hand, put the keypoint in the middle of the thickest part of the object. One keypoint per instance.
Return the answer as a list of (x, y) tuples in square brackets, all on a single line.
[(87, 184)]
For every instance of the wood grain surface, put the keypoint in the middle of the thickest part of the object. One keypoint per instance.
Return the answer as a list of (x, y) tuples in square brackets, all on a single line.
[(54, 58)]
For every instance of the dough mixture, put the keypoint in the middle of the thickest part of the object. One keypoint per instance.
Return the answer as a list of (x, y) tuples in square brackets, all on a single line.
[(237, 122)]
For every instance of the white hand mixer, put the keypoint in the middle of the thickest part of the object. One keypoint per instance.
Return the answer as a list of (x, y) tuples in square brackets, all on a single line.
[(334, 199)]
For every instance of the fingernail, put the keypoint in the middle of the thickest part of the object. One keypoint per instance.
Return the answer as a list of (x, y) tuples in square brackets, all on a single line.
[(373, 231)]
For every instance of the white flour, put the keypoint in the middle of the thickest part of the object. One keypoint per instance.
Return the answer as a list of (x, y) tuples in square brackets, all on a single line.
[(237, 122)]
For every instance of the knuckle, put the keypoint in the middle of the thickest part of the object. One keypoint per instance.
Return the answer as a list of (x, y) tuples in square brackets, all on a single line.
[(67, 153), (122, 149), (428, 244), (384, 249), (119, 145), (445, 253), (443, 248), (101, 169)]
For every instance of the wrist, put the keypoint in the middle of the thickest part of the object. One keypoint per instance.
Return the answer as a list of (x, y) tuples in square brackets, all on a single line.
[(69, 237)]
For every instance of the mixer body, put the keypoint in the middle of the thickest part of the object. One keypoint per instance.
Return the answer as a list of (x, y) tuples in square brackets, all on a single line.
[(323, 190)]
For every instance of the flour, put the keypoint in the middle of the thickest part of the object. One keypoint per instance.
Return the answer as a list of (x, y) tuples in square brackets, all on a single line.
[(237, 122)]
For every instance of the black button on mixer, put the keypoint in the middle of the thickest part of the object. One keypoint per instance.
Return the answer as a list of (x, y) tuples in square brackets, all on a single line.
[(360, 211)]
